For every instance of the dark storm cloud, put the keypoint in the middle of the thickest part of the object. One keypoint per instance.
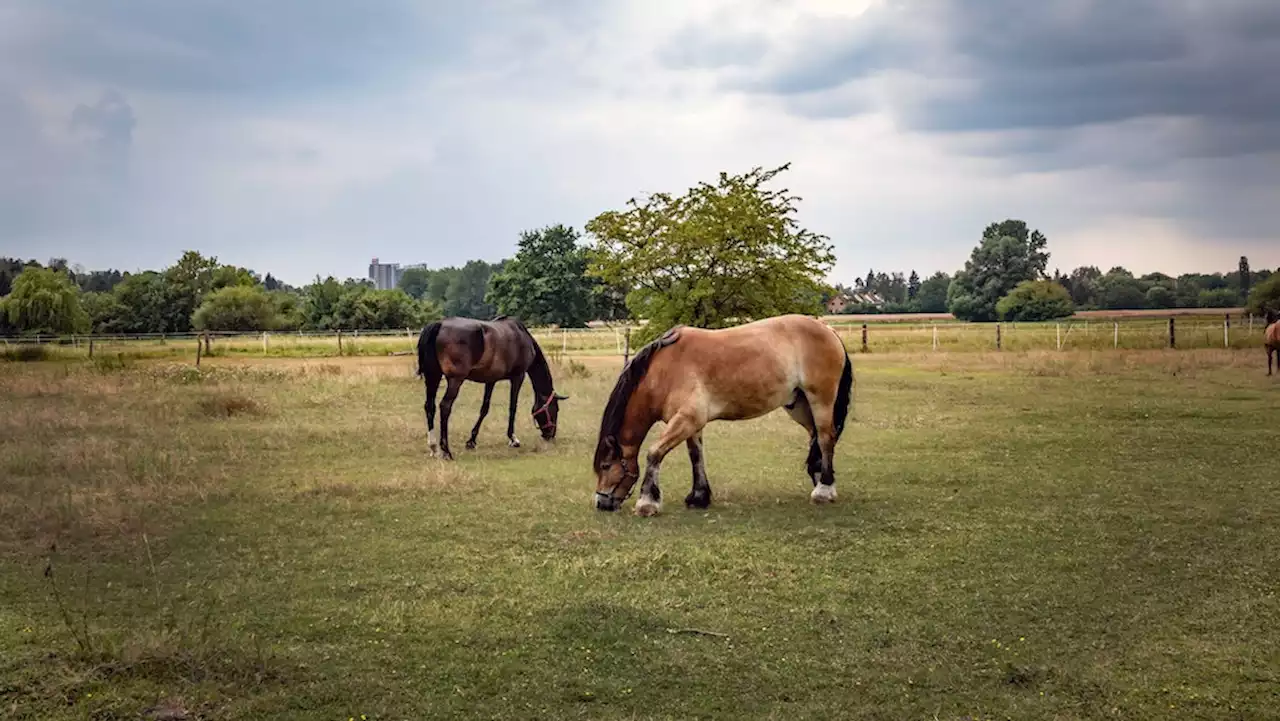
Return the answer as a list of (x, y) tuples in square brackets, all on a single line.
[(238, 47), (1059, 64)]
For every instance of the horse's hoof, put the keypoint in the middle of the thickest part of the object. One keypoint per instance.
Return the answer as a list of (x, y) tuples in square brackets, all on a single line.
[(447, 456), (471, 445), (513, 443), (695, 500), (646, 507), (823, 493)]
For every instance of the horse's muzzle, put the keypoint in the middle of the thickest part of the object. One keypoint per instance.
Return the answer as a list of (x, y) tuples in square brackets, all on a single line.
[(606, 502)]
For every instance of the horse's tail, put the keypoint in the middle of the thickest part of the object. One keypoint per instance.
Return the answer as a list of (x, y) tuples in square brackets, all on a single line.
[(427, 360), (844, 395)]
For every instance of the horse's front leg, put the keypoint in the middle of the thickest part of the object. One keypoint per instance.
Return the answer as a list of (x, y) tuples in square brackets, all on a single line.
[(432, 382), (700, 496), (680, 429), (511, 412), (484, 411)]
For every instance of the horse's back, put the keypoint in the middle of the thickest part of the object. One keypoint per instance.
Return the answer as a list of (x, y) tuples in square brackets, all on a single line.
[(750, 369)]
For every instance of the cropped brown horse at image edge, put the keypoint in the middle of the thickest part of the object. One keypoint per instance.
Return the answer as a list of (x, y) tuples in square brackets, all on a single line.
[(1272, 338), (463, 349), (692, 376)]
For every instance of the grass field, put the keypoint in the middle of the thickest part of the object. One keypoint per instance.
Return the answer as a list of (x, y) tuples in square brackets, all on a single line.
[(1022, 535)]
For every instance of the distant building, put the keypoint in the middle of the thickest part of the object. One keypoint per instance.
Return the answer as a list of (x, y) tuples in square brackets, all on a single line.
[(385, 276), (843, 300)]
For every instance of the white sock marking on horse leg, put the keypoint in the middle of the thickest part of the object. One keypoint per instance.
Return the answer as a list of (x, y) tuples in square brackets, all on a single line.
[(646, 506), (433, 441), (823, 493), (513, 442)]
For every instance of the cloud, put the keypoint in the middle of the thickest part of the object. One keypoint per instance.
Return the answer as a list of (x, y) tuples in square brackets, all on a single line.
[(302, 138)]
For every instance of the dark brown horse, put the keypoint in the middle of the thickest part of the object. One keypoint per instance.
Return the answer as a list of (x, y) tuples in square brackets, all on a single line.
[(691, 376), (463, 349), (1272, 337)]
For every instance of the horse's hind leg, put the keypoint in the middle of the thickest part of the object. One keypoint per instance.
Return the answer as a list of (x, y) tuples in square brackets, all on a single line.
[(802, 413), (824, 491), (432, 381), (484, 411), (446, 409), (700, 496)]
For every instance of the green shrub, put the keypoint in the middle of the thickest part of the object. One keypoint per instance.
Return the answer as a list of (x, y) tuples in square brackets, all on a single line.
[(1036, 300)]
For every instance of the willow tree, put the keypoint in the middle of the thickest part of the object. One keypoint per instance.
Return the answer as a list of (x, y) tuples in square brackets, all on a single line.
[(718, 255)]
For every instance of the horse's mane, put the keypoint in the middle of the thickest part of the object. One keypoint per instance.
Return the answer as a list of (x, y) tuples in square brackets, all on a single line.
[(615, 411)]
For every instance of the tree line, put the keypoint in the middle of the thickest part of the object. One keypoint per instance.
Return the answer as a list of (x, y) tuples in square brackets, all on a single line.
[(1006, 278), (718, 254)]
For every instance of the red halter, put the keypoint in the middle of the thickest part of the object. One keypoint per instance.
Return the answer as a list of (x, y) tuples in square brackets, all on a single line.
[(546, 408)]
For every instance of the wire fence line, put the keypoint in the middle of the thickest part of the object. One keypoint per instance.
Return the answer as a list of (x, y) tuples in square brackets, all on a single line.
[(1183, 332)]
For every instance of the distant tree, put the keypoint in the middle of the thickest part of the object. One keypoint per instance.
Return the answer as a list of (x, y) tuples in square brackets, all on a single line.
[(106, 312), (932, 297), (913, 285), (415, 282), (319, 301), (719, 254), (236, 308), (288, 309), (1265, 296), (270, 283), (466, 294), (45, 301), (1083, 284), (1119, 290), (1036, 300), (1219, 298), (1009, 254), (1160, 297), (99, 281), (546, 282), (151, 304), (10, 269), (361, 308)]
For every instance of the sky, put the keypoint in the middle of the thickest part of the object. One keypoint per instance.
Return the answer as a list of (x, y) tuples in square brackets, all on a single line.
[(304, 137)]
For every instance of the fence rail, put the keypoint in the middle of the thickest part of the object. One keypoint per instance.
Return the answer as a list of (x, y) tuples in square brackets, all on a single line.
[(1181, 332)]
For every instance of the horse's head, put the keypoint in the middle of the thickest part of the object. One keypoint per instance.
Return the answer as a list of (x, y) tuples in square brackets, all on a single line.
[(616, 475), (546, 413)]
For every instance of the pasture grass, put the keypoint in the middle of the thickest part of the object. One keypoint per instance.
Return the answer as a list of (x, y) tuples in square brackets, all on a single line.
[(1019, 535)]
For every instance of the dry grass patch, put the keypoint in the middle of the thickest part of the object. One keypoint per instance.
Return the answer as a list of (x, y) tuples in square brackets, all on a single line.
[(227, 404)]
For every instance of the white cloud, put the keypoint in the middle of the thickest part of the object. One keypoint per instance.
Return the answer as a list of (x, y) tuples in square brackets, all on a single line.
[(546, 117)]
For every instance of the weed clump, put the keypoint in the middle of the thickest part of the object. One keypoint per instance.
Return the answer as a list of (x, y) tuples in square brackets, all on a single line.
[(24, 353), (228, 405)]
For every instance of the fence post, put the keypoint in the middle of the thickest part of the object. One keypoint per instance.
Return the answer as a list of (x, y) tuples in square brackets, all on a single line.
[(1117, 334), (1226, 331), (1059, 327), (339, 341), (626, 348), (935, 337), (864, 337), (90, 347), (198, 347), (206, 342), (999, 340), (1173, 334), (264, 342)]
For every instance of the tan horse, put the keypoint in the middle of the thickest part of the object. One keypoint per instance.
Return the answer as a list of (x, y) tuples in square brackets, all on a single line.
[(691, 376), (1272, 338)]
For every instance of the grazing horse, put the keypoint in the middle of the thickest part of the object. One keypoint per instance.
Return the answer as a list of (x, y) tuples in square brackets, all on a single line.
[(462, 349), (692, 376), (1272, 337)]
